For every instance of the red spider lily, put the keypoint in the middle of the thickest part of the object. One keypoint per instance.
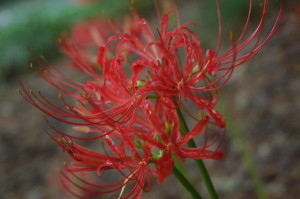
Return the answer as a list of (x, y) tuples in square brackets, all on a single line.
[(160, 57), (88, 160), (172, 141), (132, 106)]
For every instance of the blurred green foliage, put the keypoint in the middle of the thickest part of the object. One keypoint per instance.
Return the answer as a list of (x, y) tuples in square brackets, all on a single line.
[(36, 24)]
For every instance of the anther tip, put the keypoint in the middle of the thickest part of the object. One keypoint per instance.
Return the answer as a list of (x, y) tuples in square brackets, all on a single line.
[(59, 40), (231, 35)]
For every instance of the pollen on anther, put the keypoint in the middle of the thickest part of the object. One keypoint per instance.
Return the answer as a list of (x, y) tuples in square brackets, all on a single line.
[(64, 139), (43, 57), (202, 115), (102, 141), (59, 40), (31, 91), (60, 95), (132, 5), (58, 139), (59, 169), (31, 65), (19, 90), (65, 163), (230, 35)]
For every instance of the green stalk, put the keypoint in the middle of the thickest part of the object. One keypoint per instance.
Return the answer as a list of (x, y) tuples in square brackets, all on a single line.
[(187, 185), (203, 171)]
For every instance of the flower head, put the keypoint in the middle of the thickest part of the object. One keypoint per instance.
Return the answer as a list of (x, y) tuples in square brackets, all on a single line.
[(139, 81)]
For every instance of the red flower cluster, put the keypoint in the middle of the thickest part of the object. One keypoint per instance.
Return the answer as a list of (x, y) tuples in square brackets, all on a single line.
[(138, 84)]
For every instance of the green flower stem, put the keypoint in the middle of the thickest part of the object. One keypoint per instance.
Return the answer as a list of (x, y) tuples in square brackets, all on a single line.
[(187, 185), (203, 171)]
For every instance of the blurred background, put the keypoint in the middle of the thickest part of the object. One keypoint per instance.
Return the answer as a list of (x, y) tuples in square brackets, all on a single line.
[(261, 102)]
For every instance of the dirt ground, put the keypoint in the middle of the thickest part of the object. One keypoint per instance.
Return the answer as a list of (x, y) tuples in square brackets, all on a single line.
[(263, 98)]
